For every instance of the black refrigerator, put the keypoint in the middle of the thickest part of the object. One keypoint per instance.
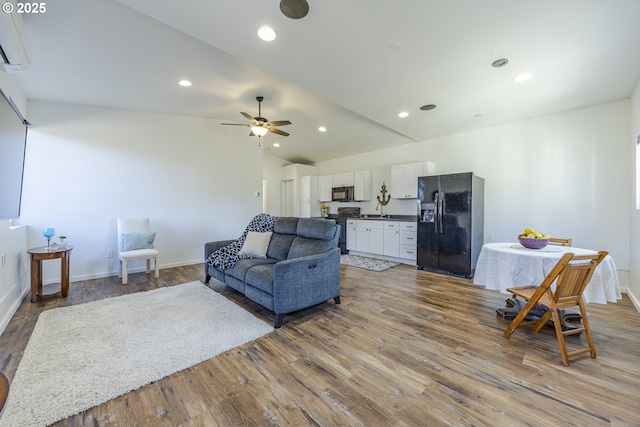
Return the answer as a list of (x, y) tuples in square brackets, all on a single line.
[(450, 223)]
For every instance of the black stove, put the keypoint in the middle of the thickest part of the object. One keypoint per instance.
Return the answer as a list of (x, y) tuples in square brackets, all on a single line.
[(341, 220)]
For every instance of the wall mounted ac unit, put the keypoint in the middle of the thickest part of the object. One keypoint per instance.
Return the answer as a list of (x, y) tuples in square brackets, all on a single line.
[(15, 50)]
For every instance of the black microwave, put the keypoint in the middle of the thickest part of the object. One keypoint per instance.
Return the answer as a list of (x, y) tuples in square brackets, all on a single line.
[(342, 194)]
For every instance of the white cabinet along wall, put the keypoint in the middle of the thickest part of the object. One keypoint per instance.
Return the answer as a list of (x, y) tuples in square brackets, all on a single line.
[(325, 183), (361, 185), (291, 187), (404, 179), (391, 238), (408, 240), (344, 179), (396, 239), (309, 205), (352, 224), (369, 236)]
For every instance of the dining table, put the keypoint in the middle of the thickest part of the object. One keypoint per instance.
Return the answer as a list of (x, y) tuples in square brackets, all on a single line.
[(506, 265)]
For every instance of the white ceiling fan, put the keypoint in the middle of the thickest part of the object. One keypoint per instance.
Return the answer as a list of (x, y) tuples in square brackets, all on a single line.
[(259, 125)]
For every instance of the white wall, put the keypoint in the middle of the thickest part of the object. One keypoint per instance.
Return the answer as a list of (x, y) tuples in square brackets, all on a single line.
[(272, 173), (86, 166), (11, 273), (634, 223), (566, 174)]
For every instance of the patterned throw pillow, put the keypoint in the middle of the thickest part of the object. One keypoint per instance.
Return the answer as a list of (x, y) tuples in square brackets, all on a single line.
[(256, 245), (134, 241)]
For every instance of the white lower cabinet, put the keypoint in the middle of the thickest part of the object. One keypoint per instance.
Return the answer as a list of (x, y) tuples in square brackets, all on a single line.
[(351, 234), (369, 236), (397, 239), (408, 240), (391, 238)]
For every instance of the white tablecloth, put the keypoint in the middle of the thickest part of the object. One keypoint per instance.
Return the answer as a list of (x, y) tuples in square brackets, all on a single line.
[(506, 265)]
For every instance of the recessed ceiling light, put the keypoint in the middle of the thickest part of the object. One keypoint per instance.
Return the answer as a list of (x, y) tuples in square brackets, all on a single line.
[(428, 107), (184, 83), (267, 34), (500, 62), (403, 114), (275, 144), (322, 129), (523, 77)]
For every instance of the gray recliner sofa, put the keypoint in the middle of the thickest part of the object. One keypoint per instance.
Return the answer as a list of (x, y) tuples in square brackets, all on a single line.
[(302, 267)]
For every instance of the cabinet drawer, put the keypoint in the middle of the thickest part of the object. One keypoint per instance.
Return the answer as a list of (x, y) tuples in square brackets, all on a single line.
[(408, 226), (371, 224), (408, 252), (408, 238), (352, 223), (391, 225)]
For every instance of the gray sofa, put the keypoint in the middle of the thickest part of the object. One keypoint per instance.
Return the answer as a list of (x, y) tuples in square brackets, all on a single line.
[(302, 267)]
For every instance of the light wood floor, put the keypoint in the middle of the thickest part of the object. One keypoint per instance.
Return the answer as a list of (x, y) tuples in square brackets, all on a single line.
[(405, 348)]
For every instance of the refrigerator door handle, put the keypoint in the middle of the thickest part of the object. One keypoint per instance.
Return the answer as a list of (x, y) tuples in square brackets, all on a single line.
[(441, 211)]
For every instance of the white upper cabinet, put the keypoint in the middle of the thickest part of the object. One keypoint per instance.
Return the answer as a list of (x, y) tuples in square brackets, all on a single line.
[(325, 183), (362, 186), (309, 205), (404, 179), (344, 179)]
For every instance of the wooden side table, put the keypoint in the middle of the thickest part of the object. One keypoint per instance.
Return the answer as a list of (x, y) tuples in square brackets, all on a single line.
[(41, 254)]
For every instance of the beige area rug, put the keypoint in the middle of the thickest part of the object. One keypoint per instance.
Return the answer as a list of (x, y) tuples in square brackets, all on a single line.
[(366, 262), (81, 356)]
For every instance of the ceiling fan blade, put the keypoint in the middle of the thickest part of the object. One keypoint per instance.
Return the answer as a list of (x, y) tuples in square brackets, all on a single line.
[(235, 124), (279, 123), (248, 117), (278, 131)]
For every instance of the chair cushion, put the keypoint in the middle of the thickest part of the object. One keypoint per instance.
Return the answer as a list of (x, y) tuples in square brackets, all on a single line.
[(261, 277), (239, 270), (302, 246), (315, 228), (139, 254), (256, 244), (279, 246), (286, 225), (133, 241)]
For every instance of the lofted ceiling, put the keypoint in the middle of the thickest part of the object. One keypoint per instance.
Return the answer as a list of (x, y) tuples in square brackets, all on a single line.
[(350, 66)]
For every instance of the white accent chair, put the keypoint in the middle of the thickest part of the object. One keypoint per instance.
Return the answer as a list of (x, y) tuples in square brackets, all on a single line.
[(134, 225)]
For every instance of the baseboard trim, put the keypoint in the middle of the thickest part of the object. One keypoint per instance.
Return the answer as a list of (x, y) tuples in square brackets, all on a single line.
[(15, 304), (634, 299), (102, 275)]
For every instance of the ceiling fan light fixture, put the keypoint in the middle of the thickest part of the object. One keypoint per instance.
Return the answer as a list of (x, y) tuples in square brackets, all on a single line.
[(267, 34), (259, 130)]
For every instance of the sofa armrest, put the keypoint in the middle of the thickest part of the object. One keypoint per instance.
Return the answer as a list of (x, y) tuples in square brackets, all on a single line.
[(211, 247), (302, 282)]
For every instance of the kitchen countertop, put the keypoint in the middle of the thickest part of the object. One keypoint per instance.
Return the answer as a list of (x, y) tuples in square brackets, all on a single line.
[(374, 217)]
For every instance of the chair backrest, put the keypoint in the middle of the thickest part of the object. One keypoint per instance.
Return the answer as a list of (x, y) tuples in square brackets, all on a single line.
[(131, 225), (545, 286), (560, 242), (4, 390), (575, 276)]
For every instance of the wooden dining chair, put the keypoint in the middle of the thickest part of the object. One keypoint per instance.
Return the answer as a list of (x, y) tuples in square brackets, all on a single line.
[(4, 390), (573, 274), (559, 241)]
